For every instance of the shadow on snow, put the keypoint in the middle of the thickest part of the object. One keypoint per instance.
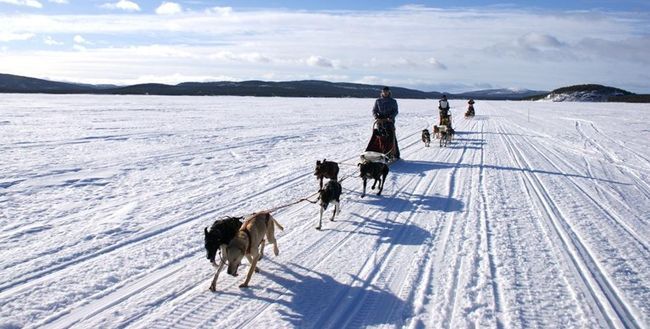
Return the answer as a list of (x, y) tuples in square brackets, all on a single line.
[(315, 300)]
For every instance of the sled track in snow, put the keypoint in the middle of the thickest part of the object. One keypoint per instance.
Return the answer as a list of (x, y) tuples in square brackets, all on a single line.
[(612, 158), (614, 219), (37, 277), (596, 283)]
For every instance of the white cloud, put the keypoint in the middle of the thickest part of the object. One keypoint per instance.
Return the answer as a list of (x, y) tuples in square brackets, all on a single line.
[(160, 51), (78, 47), (371, 80), (319, 61), (28, 3), (253, 57), (221, 11), (48, 40), (468, 47), (169, 8), (539, 41), (9, 36), (436, 64), (79, 39), (125, 5), (61, 2), (404, 62)]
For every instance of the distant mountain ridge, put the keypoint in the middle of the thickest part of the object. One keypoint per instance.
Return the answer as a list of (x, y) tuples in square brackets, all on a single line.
[(501, 94), (591, 93), (305, 88)]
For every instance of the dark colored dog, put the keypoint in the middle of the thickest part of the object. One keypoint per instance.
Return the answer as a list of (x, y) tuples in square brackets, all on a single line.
[(330, 194), (426, 137), (375, 170), (326, 169), (218, 238)]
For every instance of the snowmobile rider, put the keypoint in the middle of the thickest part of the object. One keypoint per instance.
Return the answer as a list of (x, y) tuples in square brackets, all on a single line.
[(443, 107), (385, 109)]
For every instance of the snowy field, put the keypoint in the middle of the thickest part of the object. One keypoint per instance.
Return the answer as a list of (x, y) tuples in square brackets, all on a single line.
[(537, 215)]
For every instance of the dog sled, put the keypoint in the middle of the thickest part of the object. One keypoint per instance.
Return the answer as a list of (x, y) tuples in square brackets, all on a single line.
[(383, 143), (470, 109)]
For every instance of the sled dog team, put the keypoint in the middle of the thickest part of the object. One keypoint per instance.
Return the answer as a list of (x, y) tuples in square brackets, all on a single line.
[(235, 240)]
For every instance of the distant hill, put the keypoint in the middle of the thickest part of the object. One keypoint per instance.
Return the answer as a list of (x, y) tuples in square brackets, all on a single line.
[(501, 94), (585, 93), (305, 88), (19, 84), (309, 88)]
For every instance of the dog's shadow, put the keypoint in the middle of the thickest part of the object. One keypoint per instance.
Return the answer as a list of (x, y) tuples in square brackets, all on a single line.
[(391, 232), (406, 201), (317, 300)]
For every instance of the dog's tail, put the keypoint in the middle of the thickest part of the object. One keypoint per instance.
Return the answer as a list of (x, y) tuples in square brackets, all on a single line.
[(276, 223)]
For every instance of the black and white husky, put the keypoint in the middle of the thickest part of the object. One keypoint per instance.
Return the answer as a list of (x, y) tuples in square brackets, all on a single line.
[(331, 193)]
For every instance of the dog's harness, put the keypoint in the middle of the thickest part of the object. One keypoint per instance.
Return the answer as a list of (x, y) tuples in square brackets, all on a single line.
[(250, 240), (248, 233)]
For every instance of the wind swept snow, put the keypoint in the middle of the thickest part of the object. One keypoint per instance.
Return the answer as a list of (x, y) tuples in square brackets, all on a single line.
[(536, 215)]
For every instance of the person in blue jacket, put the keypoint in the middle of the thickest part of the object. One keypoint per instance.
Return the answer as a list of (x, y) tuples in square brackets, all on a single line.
[(386, 110), (385, 106)]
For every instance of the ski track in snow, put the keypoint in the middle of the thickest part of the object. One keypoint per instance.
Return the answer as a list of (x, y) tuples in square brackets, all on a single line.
[(517, 224)]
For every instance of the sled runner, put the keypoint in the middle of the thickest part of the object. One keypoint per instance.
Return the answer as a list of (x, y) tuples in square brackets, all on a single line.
[(383, 143)]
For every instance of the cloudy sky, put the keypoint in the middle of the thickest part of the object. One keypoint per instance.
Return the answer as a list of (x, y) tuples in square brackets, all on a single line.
[(429, 45)]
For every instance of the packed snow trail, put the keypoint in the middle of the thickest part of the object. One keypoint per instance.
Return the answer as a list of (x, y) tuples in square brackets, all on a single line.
[(539, 222)]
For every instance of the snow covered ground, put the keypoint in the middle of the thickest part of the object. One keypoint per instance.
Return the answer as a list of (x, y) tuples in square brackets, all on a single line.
[(537, 215)]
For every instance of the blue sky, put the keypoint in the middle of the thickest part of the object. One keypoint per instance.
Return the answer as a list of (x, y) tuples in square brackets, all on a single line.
[(430, 45)]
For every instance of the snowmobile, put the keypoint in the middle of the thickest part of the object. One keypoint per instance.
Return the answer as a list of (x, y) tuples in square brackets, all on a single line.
[(383, 143)]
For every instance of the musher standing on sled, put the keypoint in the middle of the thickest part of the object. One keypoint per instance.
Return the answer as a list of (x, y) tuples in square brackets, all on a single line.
[(386, 109), (443, 106)]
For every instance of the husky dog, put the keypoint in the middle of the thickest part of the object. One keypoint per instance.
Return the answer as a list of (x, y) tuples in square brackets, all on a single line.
[(375, 170), (436, 132), (249, 242), (330, 194), (326, 169), (426, 137), (218, 238)]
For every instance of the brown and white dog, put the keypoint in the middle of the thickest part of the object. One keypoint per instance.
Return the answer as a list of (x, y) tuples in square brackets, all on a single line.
[(426, 137), (249, 242), (436, 132)]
